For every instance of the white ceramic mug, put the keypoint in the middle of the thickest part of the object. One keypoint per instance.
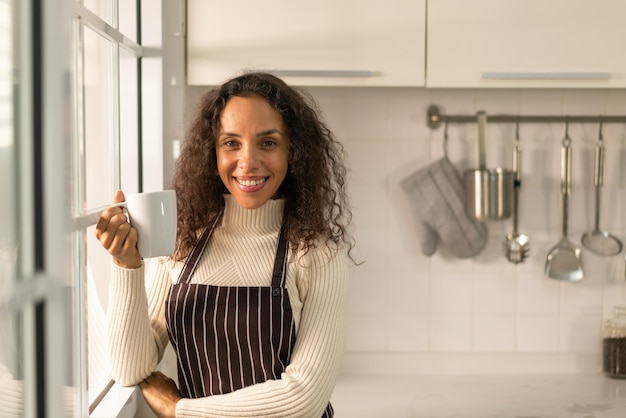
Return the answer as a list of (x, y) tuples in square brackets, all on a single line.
[(152, 214)]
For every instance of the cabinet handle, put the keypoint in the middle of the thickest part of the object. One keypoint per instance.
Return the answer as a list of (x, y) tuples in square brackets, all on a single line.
[(548, 76), (325, 73)]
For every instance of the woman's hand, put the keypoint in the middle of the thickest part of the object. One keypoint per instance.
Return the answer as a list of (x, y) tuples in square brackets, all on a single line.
[(161, 394), (117, 236)]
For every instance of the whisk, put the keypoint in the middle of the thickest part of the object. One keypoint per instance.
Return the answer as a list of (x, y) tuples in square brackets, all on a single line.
[(516, 246)]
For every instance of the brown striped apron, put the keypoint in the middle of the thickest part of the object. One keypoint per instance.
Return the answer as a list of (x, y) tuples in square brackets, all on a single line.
[(227, 338)]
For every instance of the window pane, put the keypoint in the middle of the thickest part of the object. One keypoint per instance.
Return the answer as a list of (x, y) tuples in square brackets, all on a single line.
[(11, 386), (127, 15), (99, 120), (100, 181), (102, 8), (6, 88), (129, 122), (108, 158), (99, 370), (11, 393), (7, 149)]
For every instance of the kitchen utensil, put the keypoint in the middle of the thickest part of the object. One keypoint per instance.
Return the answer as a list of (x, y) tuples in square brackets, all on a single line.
[(599, 241), (488, 192), (564, 261), (435, 194), (516, 246)]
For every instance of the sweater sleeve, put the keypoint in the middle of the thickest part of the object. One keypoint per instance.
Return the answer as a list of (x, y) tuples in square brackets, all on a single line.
[(137, 334), (305, 387)]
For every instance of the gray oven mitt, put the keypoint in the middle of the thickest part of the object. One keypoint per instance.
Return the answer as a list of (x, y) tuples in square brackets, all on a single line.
[(436, 196)]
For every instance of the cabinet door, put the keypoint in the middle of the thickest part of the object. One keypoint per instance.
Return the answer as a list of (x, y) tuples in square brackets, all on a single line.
[(526, 43), (315, 43)]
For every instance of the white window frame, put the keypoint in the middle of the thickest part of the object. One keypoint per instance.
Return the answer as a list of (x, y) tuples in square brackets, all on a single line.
[(48, 126), (113, 400)]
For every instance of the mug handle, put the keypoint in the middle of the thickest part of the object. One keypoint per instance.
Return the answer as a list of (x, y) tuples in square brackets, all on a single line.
[(92, 217)]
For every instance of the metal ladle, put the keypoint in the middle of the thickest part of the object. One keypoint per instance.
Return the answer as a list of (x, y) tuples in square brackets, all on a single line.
[(516, 246), (599, 241)]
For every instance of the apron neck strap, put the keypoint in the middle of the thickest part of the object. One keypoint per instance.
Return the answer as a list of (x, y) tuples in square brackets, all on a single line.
[(279, 272), (194, 257)]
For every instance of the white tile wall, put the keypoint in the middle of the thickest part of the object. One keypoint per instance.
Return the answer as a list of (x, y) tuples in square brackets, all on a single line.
[(403, 302), (431, 313)]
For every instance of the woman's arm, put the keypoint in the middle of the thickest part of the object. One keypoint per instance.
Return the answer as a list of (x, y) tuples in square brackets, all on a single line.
[(137, 335), (308, 381)]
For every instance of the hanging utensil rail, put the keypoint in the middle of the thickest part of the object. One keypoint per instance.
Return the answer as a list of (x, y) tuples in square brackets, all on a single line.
[(435, 118)]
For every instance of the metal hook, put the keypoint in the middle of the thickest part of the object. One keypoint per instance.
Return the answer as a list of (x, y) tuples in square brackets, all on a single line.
[(445, 139), (600, 139), (566, 140)]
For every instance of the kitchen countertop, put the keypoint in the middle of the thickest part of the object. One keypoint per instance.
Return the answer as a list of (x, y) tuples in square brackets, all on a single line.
[(480, 396)]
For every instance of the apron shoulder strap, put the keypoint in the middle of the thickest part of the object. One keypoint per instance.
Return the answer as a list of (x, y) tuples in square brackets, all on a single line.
[(194, 257), (279, 272)]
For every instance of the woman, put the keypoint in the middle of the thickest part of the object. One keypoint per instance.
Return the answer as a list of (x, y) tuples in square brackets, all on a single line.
[(253, 298)]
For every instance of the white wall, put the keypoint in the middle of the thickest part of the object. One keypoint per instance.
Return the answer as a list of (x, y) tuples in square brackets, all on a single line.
[(413, 313)]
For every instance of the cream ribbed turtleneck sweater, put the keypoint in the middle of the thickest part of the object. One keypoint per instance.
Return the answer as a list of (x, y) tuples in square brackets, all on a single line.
[(240, 253)]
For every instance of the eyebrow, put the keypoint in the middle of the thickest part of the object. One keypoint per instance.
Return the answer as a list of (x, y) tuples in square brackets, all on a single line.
[(262, 133)]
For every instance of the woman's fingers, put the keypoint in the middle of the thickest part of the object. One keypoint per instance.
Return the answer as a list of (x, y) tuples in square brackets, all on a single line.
[(130, 243), (110, 220), (118, 237), (119, 197), (122, 242), (161, 394), (111, 223)]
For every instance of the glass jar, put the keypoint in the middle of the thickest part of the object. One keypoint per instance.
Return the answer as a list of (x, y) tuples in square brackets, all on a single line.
[(614, 344)]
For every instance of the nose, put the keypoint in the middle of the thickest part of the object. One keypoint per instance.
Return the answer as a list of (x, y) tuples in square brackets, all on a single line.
[(248, 159)]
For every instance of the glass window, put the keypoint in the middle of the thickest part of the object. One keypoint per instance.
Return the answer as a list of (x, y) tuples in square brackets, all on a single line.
[(11, 387), (129, 121), (99, 123), (6, 85), (102, 8), (11, 384), (127, 18), (106, 158)]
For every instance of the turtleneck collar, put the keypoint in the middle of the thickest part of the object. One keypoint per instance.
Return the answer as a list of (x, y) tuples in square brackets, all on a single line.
[(270, 215)]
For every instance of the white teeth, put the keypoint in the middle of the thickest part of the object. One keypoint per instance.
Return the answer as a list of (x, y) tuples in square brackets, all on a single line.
[(250, 182)]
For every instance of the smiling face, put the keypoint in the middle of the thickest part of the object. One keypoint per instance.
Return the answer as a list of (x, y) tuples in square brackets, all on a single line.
[(252, 150)]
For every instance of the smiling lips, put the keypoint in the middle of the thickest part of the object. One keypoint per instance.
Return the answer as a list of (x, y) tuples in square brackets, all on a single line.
[(251, 185)]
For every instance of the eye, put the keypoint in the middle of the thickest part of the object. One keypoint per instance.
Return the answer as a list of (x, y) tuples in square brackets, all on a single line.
[(229, 143), (269, 142)]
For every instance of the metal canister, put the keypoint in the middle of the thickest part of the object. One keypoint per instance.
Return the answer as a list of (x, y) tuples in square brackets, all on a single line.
[(488, 192)]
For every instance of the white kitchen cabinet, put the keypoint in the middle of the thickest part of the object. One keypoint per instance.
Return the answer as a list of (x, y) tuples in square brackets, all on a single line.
[(526, 43), (311, 43)]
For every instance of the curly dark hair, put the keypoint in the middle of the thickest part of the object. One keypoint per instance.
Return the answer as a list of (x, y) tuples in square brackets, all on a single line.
[(316, 204)]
